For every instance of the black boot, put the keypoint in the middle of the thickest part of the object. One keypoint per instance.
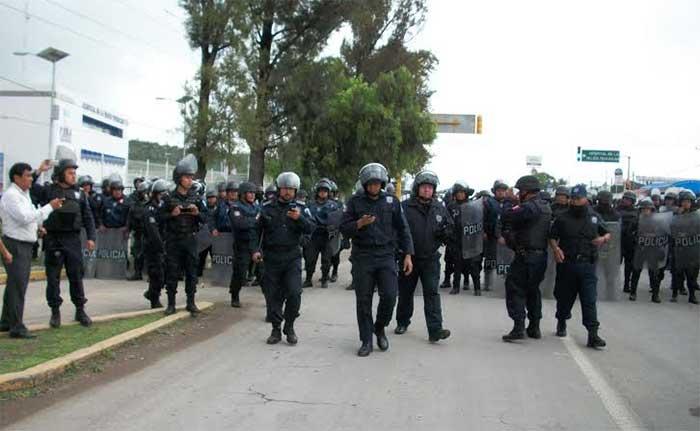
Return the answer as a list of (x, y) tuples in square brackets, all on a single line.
[(308, 282), (477, 287), (455, 290), (350, 287), (674, 296), (192, 307), (594, 340), (446, 284), (334, 276), (55, 321), (324, 281), (517, 333), (170, 309), (382, 340), (154, 299), (82, 317), (655, 297), (235, 301), (533, 329), (135, 277), (488, 280), (683, 291), (400, 329), (275, 336), (436, 336), (691, 296), (365, 349), (289, 332), (561, 328)]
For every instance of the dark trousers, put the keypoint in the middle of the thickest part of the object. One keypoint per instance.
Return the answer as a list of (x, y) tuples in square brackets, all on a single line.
[(689, 275), (368, 271), (449, 263), (628, 259), (137, 252), (523, 285), (181, 257), (16, 284), (319, 244), (203, 260), (655, 277), (155, 265), (468, 268), (335, 261), (64, 250), (241, 264), (577, 279), (281, 285), (428, 271)]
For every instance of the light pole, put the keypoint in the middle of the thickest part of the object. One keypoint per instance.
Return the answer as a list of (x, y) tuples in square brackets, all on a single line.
[(53, 56)]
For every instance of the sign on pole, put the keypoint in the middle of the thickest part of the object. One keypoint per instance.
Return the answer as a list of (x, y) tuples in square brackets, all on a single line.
[(533, 161), (606, 156), (455, 123)]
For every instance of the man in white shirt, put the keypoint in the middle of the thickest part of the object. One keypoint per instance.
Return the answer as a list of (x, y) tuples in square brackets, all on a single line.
[(20, 224)]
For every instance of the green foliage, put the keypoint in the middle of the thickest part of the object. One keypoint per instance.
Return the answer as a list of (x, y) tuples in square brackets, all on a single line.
[(548, 181), (153, 151)]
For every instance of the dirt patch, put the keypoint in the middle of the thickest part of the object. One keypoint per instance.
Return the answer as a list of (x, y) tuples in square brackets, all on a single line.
[(130, 357)]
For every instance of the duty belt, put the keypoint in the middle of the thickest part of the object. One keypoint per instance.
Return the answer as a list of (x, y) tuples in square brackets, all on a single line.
[(526, 251), (580, 258)]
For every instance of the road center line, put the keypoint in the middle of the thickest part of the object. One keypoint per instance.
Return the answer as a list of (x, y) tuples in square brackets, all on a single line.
[(623, 416)]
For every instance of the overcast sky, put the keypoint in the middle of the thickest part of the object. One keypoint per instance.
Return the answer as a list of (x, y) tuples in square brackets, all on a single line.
[(547, 76)]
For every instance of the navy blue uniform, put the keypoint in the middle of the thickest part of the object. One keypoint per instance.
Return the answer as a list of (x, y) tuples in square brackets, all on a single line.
[(492, 217), (280, 243), (210, 225), (630, 220), (319, 241), (576, 276), (374, 256), (221, 219), (135, 223), (527, 227), (114, 213), (62, 241), (244, 222), (430, 227)]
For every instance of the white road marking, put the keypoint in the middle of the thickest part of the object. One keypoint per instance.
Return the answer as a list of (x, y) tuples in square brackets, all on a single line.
[(623, 416)]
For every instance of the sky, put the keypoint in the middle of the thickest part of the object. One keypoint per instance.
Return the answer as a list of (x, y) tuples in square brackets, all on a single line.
[(548, 76)]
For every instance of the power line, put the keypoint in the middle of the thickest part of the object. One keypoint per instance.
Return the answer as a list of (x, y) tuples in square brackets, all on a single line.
[(81, 15), (18, 83), (148, 14)]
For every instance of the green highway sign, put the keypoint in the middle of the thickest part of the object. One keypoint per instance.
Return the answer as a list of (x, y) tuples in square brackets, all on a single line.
[(598, 156)]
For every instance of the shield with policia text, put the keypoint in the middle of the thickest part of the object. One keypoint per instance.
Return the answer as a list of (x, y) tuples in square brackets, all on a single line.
[(111, 254), (89, 257), (472, 221), (334, 231), (685, 234), (608, 265), (653, 234), (221, 259), (203, 239)]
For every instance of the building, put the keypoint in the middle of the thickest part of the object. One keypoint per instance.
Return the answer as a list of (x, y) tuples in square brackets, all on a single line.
[(98, 137)]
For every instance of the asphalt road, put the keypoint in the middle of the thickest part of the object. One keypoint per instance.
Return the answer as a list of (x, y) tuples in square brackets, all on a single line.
[(647, 378)]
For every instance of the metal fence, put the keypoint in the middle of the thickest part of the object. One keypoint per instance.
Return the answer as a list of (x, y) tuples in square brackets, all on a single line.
[(141, 168)]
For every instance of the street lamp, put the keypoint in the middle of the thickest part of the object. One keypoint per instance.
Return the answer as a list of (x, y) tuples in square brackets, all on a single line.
[(53, 56)]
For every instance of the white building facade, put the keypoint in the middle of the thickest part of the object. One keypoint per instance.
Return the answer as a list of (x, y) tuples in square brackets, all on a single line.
[(97, 136)]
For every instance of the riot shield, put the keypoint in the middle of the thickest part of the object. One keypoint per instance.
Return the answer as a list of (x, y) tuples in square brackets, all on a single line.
[(89, 257), (203, 239), (504, 257), (685, 231), (472, 221), (608, 265), (550, 277), (221, 259), (111, 255), (334, 231), (653, 233)]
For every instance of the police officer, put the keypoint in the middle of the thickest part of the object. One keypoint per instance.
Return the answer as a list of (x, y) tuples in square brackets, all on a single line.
[(335, 260), (320, 208), (629, 220), (604, 207), (132, 197), (377, 226), (182, 213), (493, 208), (270, 193), (221, 191), (86, 185), (281, 224), (656, 198), (135, 223), (646, 209), (449, 250), (62, 241), (114, 209), (430, 227), (670, 202), (683, 271), (561, 201), (244, 215), (302, 196), (154, 242), (462, 267), (574, 238), (222, 222), (528, 225), (212, 198)]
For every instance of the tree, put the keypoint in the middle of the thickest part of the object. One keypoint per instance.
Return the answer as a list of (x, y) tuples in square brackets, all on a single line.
[(283, 36), (213, 26)]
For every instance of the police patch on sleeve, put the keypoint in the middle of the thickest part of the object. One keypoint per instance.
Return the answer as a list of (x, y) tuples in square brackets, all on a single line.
[(236, 213), (438, 218), (77, 194), (151, 220), (307, 212), (594, 219), (390, 199)]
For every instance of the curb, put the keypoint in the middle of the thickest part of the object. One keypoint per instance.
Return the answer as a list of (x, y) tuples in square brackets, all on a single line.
[(40, 373), (34, 275)]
